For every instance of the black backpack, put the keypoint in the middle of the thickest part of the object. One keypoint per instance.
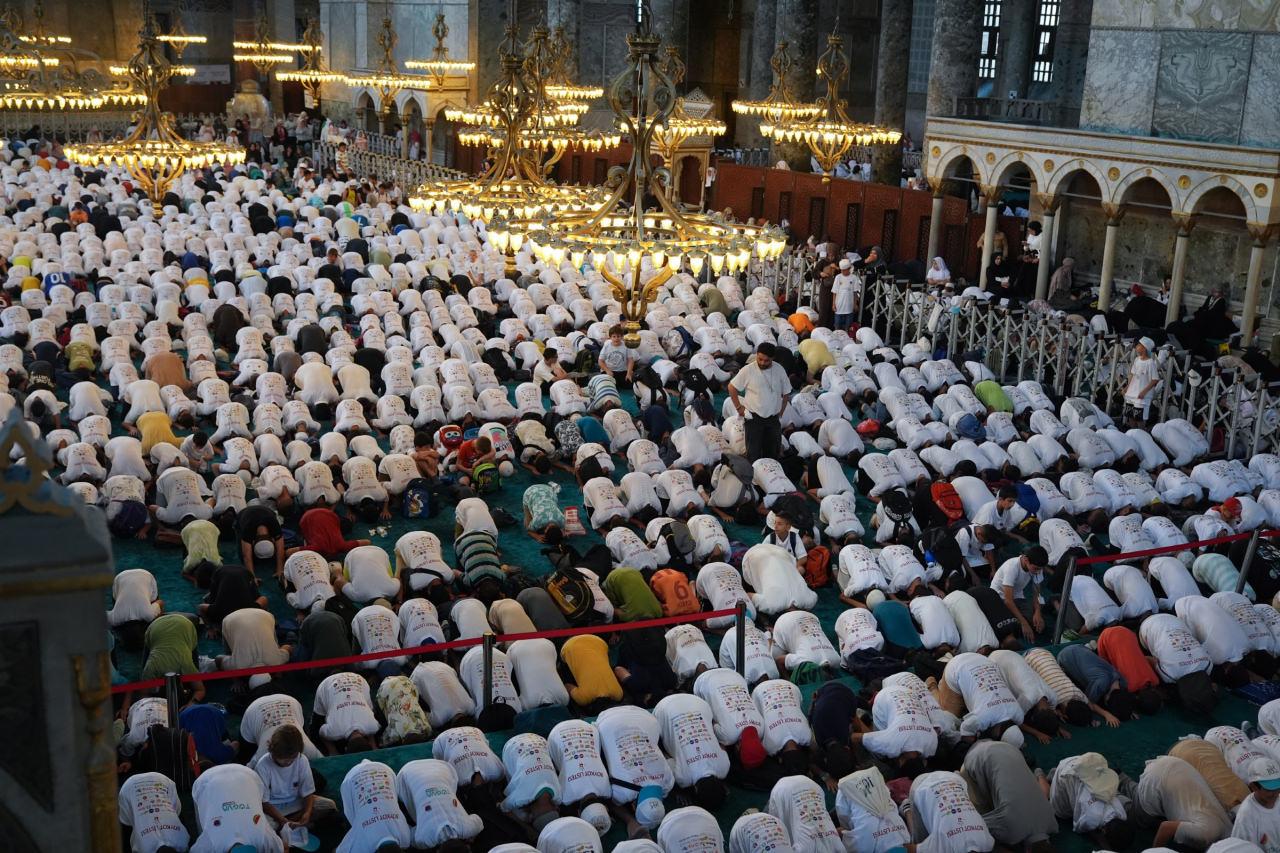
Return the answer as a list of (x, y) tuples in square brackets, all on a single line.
[(941, 543), (571, 593)]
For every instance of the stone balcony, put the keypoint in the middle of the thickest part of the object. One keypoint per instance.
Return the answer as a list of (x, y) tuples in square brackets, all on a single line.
[(1017, 111)]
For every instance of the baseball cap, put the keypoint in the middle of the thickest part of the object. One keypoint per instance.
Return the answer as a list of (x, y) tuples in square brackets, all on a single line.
[(649, 807), (1264, 772), (597, 815), (1232, 505)]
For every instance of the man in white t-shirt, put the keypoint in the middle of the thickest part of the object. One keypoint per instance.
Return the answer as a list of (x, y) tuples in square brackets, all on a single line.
[(1191, 816), (228, 803), (1018, 583), (688, 736), (343, 700), (149, 805), (371, 806), (943, 814), (429, 789)]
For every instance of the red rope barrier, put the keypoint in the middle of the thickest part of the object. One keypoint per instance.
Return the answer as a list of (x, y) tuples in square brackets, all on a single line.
[(1173, 549), (610, 628)]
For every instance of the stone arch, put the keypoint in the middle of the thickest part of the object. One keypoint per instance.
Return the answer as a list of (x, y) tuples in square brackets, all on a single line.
[(1134, 181), (1010, 164), (948, 163), (1070, 169), (408, 100), (1196, 196)]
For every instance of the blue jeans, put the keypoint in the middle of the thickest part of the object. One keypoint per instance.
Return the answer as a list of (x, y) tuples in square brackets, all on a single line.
[(843, 321)]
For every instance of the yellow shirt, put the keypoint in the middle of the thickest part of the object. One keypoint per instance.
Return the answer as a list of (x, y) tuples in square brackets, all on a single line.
[(587, 657), (155, 429), (817, 357)]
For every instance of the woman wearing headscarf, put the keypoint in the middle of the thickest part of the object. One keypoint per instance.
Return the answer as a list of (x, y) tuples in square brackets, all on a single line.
[(1061, 283), (938, 274)]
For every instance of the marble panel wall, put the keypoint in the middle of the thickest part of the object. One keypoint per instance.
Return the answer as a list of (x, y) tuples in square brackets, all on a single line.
[(1200, 89), (1120, 84), (1261, 124)]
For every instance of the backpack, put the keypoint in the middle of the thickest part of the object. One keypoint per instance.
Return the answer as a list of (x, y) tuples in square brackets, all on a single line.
[(485, 478), (571, 593), (173, 753), (417, 500), (817, 567), (939, 544), (586, 361), (948, 501), (674, 592), (680, 544)]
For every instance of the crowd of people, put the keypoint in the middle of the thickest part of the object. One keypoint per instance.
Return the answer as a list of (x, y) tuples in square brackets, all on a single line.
[(254, 385)]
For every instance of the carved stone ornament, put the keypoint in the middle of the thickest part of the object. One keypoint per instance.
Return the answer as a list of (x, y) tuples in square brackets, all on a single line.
[(25, 482)]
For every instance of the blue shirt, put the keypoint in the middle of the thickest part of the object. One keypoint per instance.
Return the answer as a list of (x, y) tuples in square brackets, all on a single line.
[(1093, 674), (895, 623)]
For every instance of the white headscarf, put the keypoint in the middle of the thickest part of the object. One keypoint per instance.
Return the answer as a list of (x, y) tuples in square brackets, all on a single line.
[(940, 274)]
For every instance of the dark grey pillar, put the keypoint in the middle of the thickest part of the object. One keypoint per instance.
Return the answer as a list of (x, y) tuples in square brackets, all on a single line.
[(671, 24), (1017, 47), (1070, 58), (796, 23), (891, 84), (759, 73), (567, 14), (957, 27), (488, 29)]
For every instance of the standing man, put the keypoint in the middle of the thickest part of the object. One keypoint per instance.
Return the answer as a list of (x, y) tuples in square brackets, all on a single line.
[(759, 393), (826, 280), (845, 293)]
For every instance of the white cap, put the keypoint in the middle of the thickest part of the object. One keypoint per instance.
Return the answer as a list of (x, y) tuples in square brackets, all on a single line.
[(844, 264), (256, 681), (1013, 736), (1147, 344), (598, 816), (650, 811), (875, 597)]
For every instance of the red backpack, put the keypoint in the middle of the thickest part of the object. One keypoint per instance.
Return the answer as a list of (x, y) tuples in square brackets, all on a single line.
[(817, 567), (947, 500)]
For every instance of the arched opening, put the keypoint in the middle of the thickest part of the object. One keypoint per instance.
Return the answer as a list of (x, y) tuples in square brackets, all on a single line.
[(690, 184), (959, 178), (367, 112), (1218, 252), (444, 137), (1145, 255), (411, 117), (1082, 225)]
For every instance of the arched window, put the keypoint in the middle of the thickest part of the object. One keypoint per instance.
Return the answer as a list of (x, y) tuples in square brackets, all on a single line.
[(1046, 35), (990, 39)]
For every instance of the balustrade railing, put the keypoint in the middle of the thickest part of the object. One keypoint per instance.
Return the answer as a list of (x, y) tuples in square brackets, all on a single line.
[(384, 167)]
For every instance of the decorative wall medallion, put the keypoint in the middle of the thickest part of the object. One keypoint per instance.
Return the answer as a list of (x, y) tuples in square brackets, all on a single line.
[(1049, 165), (1260, 190), (1113, 174), (1183, 182), (935, 151), (991, 157)]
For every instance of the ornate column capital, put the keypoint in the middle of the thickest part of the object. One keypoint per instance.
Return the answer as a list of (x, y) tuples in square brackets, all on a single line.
[(1186, 222), (990, 193), (1261, 232), (1114, 212), (1049, 201)]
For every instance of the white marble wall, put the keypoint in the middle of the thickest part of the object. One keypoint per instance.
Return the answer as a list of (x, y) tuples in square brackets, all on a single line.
[(1206, 70)]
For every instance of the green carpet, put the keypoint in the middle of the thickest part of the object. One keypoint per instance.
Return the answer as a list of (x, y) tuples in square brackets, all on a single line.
[(1126, 748)]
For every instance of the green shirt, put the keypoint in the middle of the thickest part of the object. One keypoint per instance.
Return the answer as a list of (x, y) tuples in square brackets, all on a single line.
[(993, 396), (170, 642), (631, 596), (200, 538)]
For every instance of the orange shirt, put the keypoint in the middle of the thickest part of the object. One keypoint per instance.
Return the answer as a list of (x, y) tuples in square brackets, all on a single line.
[(672, 589), (800, 322), (1119, 647)]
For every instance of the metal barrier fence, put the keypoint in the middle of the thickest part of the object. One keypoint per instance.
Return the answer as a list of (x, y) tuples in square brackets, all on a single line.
[(370, 164), (1235, 409)]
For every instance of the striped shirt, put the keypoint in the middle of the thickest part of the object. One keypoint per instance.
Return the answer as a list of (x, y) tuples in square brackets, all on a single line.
[(1045, 666)]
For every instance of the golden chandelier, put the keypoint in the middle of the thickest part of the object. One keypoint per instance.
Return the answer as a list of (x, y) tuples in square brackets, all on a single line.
[(153, 154), (440, 65), (639, 228), (520, 124), (312, 75), (387, 80), (264, 53), (781, 104), (830, 134)]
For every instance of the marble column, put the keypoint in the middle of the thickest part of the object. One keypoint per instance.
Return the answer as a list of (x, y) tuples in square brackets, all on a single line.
[(953, 73), (935, 227), (567, 14), (671, 24), (761, 73), (796, 24), (488, 29), (1115, 213), (1186, 223), (1017, 47), (1253, 283), (1070, 57), (1048, 218), (282, 24), (991, 201), (892, 61)]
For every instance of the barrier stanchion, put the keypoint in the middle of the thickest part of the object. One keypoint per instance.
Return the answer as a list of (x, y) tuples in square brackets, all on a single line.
[(741, 639), (1249, 554), (488, 670), (173, 696), (1063, 600)]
